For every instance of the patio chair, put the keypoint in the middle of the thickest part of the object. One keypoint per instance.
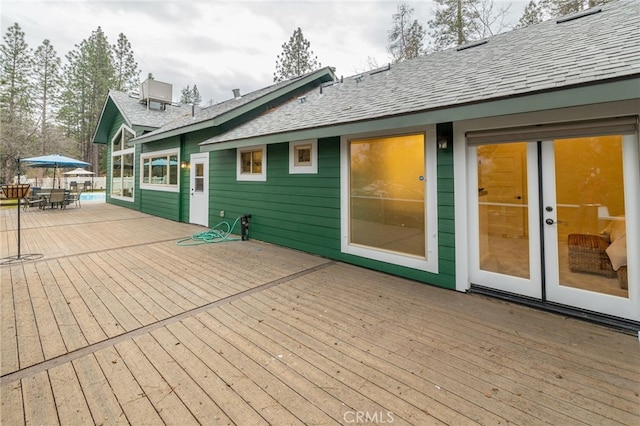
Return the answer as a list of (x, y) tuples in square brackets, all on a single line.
[(33, 199), (56, 198), (73, 185), (87, 185), (74, 197)]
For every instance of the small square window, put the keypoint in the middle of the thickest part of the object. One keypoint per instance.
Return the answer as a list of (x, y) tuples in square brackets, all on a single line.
[(303, 157), (252, 163)]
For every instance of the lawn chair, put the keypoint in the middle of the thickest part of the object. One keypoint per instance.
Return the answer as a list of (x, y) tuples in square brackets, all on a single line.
[(87, 185), (74, 197), (73, 186), (34, 199), (56, 198)]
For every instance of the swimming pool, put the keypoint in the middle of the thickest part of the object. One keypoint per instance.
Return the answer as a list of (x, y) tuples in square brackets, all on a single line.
[(92, 196)]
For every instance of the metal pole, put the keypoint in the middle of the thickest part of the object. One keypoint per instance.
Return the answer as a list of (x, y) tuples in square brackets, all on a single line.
[(19, 225), (18, 167)]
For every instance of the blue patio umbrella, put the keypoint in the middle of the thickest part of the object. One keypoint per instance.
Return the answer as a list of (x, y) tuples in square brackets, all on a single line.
[(54, 160)]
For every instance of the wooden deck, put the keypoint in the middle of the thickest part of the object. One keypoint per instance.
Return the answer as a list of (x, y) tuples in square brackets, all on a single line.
[(116, 324)]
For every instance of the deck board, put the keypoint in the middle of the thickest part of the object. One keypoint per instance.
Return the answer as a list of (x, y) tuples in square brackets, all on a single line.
[(118, 324)]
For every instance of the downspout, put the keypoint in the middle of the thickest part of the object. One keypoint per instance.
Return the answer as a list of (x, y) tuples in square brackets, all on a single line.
[(183, 171)]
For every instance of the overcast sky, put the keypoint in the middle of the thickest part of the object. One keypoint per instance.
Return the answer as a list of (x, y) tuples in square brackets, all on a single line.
[(217, 45)]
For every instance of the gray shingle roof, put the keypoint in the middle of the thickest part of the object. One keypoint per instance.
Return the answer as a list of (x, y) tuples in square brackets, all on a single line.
[(138, 114), (543, 57), (214, 111)]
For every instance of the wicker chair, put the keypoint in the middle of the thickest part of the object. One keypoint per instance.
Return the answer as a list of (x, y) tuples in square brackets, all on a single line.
[(587, 253)]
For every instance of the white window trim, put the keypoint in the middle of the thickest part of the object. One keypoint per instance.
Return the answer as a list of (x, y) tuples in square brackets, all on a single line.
[(121, 152), (428, 263), (160, 187), (309, 169), (251, 177)]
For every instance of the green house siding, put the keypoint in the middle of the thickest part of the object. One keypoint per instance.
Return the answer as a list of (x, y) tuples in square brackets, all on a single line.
[(302, 211), (159, 203), (296, 211)]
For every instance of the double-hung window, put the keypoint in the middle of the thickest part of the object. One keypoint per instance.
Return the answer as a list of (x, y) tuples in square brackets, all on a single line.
[(122, 164)]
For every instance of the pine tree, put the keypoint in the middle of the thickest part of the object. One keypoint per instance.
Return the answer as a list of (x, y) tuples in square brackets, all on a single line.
[(127, 75), (196, 99), (88, 76), (16, 107), (185, 95), (46, 70), (532, 14), (455, 23), (296, 58), (189, 96), (405, 38), (557, 8)]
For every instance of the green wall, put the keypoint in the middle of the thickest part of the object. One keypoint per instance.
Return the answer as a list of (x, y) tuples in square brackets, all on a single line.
[(303, 211)]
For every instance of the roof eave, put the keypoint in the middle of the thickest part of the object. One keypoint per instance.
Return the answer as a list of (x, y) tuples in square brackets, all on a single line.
[(612, 90)]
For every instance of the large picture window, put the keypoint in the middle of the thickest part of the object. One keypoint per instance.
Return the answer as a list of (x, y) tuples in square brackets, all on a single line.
[(122, 165), (159, 170), (390, 197)]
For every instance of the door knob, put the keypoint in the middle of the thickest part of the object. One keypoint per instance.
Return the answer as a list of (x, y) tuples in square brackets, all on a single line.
[(551, 221)]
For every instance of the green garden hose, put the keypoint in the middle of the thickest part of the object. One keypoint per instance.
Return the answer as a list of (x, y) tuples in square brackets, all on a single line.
[(219, 233)]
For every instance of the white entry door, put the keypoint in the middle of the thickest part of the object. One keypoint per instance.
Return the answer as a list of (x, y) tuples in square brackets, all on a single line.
[(199, 189)]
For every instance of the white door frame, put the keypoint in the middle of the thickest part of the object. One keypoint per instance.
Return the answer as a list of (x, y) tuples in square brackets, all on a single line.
[(199, 200), (465, 170)]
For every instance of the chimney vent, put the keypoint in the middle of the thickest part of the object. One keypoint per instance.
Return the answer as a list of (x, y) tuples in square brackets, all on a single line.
[(236, 94)]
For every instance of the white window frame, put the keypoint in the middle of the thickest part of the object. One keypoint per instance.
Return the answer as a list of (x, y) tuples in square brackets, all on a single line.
[(251, 177), (429, 263), (165, 186), (121, 153), (312, 167)]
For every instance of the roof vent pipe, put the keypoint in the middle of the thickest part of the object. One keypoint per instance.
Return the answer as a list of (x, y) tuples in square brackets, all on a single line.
[(193, 110), (236, 93)]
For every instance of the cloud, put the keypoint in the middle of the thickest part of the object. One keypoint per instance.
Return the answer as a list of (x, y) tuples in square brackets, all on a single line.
[(217, 45)]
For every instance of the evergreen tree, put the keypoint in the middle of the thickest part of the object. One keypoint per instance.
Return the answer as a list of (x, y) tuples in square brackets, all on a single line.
[(16, 108), (190, 96), (538, 10), (557, 8), (46, 71), (405, 38), (88, 76), (532, 14), (455, 23), (127, 75), (195, 96), (185, 95), (296, 58)]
